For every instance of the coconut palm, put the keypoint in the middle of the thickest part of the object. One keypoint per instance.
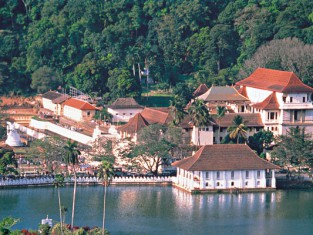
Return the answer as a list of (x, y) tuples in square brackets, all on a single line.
[(71, 157), (220, 110), (105, 173), (177, 110), (59, 182), (238, 129), (199, 115)]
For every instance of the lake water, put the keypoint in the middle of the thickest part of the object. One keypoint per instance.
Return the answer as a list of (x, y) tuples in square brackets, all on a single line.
[(165, 210)]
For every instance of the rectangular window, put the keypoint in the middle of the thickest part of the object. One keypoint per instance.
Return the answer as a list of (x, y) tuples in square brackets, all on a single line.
[(232, 183), (258, 174), (296, 115), (221, 138), (303, 99), (207, 175), (218, 175), (232, 174), (291, 98), (218, 184), (284, 99), (247, 174), (206, 184), (272, 115)]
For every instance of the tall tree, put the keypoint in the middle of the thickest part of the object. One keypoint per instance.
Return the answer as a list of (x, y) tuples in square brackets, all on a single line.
[(295, 149), (220, 111), (237, 129), (260, 140), (8, 163), (71, 157), (105, 172), (152, 149), (177, 110), (59, 182), (199, 115)]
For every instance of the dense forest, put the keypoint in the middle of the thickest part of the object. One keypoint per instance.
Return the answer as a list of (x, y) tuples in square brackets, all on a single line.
[(98, 46)]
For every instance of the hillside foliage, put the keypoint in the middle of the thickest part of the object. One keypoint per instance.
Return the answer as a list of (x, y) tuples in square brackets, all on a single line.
[(99, 46)]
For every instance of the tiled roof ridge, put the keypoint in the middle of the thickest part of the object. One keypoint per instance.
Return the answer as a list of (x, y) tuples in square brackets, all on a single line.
[(243, 91), (270, 100), (134, 122)]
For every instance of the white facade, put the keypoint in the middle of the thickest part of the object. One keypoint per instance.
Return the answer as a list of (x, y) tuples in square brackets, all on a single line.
[(295, 109), (214, 180), (123, 115), (202, 137), (77, 114)]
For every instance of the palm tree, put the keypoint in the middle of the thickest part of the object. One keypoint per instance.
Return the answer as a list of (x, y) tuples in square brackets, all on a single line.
[(199, 115), (105, 173), (177, 110), (71, 157), (238, 129), (220, 110), (59, 182)]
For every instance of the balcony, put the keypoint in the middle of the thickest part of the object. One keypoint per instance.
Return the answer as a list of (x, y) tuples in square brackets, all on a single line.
[(297, 105)]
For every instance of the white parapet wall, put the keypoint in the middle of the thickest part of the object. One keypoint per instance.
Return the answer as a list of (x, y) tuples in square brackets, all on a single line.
[(79, 137)]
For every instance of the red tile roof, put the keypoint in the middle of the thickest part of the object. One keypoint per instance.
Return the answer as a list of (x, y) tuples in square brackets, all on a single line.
[(223, 94), (250, 119), (269, 103), (224, 157), (79, 104), (134, 125), (200, 90), (157, 115), (275, 80), (243, 91)]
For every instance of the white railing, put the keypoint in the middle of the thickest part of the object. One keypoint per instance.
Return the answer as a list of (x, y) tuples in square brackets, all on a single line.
[(86, 180)]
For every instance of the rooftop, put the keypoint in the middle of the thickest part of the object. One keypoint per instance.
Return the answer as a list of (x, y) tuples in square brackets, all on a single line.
[(134, 125), (79, 104), (222, 94), (275, 80), (157, 115), (269, 103), (223, 157), (250, 119), (200, 90), (125, 103)]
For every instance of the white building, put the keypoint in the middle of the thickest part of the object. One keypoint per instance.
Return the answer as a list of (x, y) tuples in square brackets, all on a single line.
[(123, 109), (78, 110), (53, 101), (225, 167), (281, 98)]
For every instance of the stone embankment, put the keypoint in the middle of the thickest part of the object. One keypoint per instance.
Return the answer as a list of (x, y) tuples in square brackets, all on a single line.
[(41, 181)]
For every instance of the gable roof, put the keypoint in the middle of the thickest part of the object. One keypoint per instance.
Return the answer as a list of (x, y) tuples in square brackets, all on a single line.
[(51, 95), (269, 103), (243, 91), (134, 125), (221, 157), (250, 119), (79, 104), (157, 115), (125, 103), (275, 80), (222, 93), (200, 90)]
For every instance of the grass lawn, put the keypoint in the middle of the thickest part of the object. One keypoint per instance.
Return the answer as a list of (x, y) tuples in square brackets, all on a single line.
[(156, 100)]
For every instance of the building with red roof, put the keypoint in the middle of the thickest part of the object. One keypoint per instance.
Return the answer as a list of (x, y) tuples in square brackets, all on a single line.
[(78, 110), (225, 167), (281, 98)]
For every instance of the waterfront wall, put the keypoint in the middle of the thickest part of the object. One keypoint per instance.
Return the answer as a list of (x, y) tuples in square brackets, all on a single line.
[(85, 180)]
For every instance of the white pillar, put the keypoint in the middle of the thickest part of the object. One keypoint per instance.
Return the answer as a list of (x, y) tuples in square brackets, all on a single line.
[(273, 184)]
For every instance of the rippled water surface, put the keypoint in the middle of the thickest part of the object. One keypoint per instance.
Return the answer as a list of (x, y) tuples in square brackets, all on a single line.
[(165, 210)]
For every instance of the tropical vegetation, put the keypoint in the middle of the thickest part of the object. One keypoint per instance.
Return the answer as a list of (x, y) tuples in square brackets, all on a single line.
[(104, 47)]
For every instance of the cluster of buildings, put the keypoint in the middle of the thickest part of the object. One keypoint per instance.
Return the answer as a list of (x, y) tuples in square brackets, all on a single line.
[(266, 100)]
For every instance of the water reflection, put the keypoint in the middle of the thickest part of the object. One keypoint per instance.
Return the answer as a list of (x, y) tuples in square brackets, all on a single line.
[(166, 210)]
